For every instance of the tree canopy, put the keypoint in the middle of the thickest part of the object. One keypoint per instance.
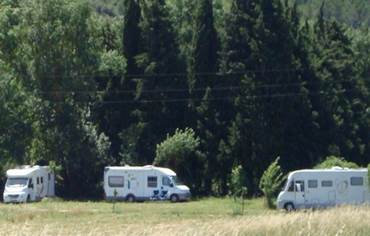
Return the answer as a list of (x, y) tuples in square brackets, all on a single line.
[(212, 88)]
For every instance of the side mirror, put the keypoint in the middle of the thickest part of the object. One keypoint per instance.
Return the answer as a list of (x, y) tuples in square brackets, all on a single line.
[(31, 186), (171, 185)]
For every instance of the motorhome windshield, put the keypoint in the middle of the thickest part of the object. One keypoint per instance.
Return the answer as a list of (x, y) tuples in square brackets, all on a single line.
[(290, 187), (16, 182), (175, 180)]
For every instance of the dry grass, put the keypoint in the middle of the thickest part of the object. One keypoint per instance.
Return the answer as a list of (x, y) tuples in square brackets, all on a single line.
[(206, 217)]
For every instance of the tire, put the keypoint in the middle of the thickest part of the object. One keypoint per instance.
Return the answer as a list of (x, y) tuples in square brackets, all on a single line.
[(174, 198), (130, 198), (289, 207)]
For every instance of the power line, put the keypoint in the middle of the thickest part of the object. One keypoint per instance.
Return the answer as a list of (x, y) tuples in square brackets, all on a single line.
[(218, 88), (179, 100), (182, 74)]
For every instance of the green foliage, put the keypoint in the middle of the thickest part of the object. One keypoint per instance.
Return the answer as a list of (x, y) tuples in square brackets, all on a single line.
[(271, 182), (178, 148), (82, 90), (238, 182), (132, 34), (333, 161), (158, 58), (238, 189), (111, 62), (352, 13), (181, 153)]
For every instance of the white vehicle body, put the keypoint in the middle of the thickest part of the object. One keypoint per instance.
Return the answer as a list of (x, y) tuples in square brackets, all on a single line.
[(143, 183), (323, 188), (28, 184)]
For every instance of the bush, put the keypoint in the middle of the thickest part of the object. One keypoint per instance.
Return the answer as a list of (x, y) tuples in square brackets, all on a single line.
[(238, 188), (237, 182), (332, 161), (271, 182), (180, 153)]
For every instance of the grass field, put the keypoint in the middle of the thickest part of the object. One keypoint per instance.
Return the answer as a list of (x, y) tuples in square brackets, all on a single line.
[(203, 217)]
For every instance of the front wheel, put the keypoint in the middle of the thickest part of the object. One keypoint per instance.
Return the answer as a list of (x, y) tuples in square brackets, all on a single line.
[(130, 198), (289, 207), (174, 198)]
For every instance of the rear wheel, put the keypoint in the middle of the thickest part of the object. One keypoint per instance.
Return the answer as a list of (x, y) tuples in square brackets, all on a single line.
[(289, 207), (130, 198), (174, 198)]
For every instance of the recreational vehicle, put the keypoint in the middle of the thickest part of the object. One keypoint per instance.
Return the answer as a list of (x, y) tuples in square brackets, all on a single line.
[(323, 188), (143, 183), (28, 183)]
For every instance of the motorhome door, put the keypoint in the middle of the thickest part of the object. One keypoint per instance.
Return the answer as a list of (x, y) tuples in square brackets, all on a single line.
[(300, 195), (39, 186), (342, 186), (313, 194), (166, 185)]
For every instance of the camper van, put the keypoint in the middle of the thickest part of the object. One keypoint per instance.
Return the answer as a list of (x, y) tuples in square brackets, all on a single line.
[(323, 188), (26, 184), (143, 183)]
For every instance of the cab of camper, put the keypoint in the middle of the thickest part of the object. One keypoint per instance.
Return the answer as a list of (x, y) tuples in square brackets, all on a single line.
[(324, 188), (28, 183), (143, 183)]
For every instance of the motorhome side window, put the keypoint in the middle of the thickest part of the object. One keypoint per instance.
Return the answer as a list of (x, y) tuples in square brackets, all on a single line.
[(152, 181), (312, 183), (166, 181), (326, 183), (357, 181), (116, 181), (42, 180), (38, 180), (300, 183)]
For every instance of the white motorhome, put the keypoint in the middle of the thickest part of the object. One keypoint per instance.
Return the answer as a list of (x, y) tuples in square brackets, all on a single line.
[(28, 183), (143, 183), (323, 188)]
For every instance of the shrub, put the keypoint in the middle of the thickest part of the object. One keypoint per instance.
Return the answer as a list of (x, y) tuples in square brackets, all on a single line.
[(181, 153), (238, 188), (237, 182), (271, 182), (332, 161)]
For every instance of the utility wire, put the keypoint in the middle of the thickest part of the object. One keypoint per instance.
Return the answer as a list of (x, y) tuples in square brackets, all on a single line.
[(179, 100), (218, 88), (183, 74)]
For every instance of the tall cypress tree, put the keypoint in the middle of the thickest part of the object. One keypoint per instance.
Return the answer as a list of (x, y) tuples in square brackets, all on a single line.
[(272, 106), (204, 46), (344, 96), (283, 108), (203, 65), (161, 90), (111, 117), (238, 60), (131, 116), (131, 35)]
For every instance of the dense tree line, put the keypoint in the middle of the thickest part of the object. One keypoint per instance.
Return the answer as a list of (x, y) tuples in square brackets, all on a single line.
[(253, 79)]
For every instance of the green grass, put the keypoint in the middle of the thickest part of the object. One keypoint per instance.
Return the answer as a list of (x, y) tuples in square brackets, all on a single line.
[(210, 216), (129, 213)]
